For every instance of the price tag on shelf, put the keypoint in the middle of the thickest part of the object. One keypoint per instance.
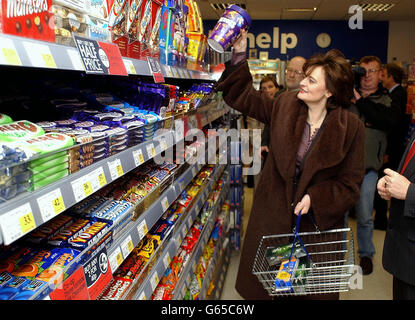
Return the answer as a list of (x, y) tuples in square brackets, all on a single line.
[(51, 204), (142, 296), (115, 168), (129, 66), (154, 280), (127, 246), (165, 204), (178, 240), (115, 259), (39, 55), (142, 229), (163, 144), (9, 55), (138, 157), (184, 231), (151, 152), (166, 260), (16, 223), (75, 59), (168, 71), (197, 208)]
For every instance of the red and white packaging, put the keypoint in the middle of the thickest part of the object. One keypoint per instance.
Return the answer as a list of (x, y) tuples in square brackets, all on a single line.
[(117, 24), (116, 289), (27, 18), (133, 28), (155, 30)]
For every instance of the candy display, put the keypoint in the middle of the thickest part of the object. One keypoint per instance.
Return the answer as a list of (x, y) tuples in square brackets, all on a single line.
[(164, 290)]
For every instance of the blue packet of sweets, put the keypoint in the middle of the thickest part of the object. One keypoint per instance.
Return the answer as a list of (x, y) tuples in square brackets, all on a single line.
[(29, 289), (13, 287)]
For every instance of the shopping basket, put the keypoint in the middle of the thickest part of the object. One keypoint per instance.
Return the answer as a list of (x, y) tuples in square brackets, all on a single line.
[(325, 266)]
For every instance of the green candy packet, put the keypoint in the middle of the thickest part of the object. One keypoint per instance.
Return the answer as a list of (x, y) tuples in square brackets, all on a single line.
[(4, 119), (19, 130), (38, 176), (57, 156), (48, 165), (50, 179), (46, 143)]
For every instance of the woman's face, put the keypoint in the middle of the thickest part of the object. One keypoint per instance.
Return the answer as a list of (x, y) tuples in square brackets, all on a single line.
[(313, 87), (269, 89)]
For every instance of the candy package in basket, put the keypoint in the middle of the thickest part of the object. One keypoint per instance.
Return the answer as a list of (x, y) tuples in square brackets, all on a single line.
[(292, 275), (292, 267), (275, 255)]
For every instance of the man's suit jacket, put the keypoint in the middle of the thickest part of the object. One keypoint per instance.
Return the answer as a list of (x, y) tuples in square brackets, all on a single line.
[(396, 138), (399, 248)]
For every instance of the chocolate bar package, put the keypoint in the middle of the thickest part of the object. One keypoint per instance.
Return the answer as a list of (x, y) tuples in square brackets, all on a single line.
[(29, 19)]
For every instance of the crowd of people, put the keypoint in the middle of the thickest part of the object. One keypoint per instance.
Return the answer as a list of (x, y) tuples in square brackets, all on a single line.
[(326, 135)]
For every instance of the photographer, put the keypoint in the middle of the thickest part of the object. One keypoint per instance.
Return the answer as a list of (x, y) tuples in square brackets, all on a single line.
[(379, 114)]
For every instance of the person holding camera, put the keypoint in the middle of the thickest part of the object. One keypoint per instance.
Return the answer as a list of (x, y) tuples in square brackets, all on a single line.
[(379, 113), (315, 163)]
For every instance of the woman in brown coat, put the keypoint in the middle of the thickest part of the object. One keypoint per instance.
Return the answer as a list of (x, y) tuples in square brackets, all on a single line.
[(316, 159)]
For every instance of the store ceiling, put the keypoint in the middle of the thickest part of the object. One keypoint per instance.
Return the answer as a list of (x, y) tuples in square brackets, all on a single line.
[(325, 9)]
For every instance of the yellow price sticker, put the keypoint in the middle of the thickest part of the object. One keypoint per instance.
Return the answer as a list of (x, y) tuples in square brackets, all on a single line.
[(11, 56), (130, 245), (87, 188), (144, 228), (141, 158), (101, 179), (119, 258), (27, 222), (120, 172), (58, 205), (49, 61)]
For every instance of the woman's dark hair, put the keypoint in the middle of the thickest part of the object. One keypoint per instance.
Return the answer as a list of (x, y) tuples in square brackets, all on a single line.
[(338, 75), (269, 79)]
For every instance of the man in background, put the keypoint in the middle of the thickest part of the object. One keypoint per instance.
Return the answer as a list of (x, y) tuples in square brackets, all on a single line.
[(392, 81), (379, 114)]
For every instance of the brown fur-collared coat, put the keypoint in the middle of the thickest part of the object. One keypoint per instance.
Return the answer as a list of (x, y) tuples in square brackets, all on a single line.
[(332, 171)]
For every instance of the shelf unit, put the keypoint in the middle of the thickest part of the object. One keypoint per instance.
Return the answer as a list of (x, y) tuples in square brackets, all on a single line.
[(172, 242), (25, 52)]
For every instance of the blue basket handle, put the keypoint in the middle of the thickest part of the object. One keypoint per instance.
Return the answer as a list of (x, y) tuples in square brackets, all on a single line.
[(297, 237)]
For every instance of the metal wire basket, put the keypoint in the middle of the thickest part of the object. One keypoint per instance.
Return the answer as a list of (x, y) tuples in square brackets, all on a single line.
[(330, 256)]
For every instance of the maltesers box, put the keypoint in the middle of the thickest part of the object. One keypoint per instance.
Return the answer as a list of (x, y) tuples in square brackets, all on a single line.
[(30, 19)]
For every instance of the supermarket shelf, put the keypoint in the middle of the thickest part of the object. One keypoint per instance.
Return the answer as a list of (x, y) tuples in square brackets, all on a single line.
[(26, 52), (214, 262), (173, 241), (186, 275), (37, 207), (221, 269)]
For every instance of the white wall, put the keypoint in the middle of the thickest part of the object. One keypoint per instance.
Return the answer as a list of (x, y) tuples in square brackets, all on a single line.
[(401, 41)]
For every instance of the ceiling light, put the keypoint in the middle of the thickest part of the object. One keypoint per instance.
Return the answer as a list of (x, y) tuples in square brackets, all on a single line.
[(223, 6), (377, 7), (300, 9)]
